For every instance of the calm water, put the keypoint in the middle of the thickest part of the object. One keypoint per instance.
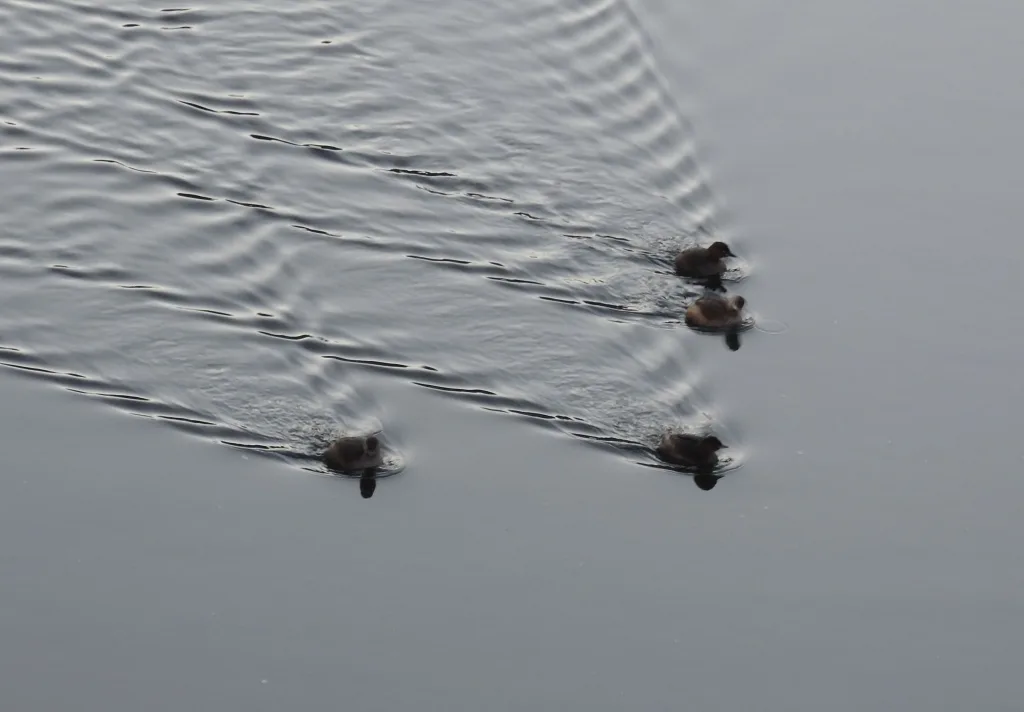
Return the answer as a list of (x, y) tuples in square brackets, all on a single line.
[(259, 226)]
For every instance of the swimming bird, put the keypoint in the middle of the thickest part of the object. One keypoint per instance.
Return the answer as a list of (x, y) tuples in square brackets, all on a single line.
[(354, 453), (685, 450), (703, 261), (716, 313)]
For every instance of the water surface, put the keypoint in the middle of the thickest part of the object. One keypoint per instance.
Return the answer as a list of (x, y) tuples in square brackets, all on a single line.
[(235, 213), (260, 225)]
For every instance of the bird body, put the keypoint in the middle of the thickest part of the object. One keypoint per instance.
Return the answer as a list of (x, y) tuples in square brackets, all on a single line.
[(716, 313), (354, 453), (686, 450), (703, 261)]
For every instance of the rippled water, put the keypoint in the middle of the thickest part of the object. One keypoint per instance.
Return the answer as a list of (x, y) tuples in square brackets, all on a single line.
[(259, 226), (221, 217)]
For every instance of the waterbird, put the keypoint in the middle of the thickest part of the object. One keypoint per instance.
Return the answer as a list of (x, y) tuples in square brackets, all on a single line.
[(713, 312), (703, 261), (686, 450), (354, 453)]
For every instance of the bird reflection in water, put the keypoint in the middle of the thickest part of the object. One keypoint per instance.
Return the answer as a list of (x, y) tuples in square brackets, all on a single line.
[(713, 283), (368, 483), (706, 480), (732, 340)]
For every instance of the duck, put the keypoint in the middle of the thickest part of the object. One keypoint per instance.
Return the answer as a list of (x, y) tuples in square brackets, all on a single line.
[(685, 450), (354, 453), (703, 261), (716, 313)]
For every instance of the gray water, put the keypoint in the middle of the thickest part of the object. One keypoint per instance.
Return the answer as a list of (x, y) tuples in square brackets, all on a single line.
[(259, 226)]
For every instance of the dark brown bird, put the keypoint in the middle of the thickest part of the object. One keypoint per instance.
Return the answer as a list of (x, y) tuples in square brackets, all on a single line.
[(703, 261), (354, 454), (697, 451), (714, 312)]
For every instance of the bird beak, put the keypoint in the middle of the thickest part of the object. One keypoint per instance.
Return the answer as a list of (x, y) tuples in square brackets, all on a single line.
[(724, 446)]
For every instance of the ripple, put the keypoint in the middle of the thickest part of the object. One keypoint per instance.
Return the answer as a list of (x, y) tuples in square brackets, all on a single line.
[(480, 202)]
